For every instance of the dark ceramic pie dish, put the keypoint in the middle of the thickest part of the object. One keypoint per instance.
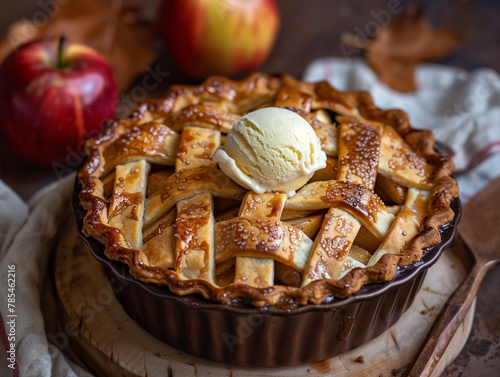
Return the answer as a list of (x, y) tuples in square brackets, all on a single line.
[(244, 335)]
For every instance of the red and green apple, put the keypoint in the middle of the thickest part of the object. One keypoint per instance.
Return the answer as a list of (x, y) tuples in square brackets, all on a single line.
[(226, 37), (52, 97)]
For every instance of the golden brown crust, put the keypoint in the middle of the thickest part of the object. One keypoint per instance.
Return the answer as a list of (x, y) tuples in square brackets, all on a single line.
[(229, 100)]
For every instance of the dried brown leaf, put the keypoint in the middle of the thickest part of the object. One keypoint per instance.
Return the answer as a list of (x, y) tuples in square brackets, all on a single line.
[(396, 50), (114, 29)]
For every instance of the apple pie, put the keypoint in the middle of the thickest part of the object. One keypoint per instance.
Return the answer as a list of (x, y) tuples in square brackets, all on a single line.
[(157, 200)]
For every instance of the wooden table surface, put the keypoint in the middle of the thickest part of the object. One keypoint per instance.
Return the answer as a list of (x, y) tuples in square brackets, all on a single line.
[(308, 33)]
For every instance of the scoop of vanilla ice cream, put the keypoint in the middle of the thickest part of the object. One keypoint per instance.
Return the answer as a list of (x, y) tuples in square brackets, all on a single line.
[(271, 149)]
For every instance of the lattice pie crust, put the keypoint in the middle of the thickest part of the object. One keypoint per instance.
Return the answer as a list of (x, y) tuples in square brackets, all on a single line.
[(158, 202)]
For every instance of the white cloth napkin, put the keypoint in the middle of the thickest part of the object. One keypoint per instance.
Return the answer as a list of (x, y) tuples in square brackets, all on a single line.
[(462, 108), (30, 232)]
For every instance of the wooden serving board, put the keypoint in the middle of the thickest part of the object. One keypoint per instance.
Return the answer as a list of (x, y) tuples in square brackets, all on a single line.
[(110, 343)]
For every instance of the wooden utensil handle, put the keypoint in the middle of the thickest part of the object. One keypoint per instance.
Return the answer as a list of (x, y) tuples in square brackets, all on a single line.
[(447, 322)]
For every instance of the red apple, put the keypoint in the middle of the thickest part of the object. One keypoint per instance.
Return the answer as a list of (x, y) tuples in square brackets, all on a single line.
[(52, 97), (227, 37)]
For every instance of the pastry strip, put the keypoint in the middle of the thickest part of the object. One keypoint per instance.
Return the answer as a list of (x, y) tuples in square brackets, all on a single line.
[(156, 179), (401, 163), (294, 100), (359, 150), (356, 199), (196, 147), (405, 226), (154, 142), (255, 272), (259, 272), (194, 236), (261, 238), (160, 250), (213, 116), (327, 97), (127, 203), (159, 226), (331, 246), (328, 173), (310, 225), (349, 265), (327, 132), (390, 191), (199, 180)]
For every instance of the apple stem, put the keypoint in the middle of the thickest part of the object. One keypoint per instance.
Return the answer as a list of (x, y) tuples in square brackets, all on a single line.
[(60, 55)]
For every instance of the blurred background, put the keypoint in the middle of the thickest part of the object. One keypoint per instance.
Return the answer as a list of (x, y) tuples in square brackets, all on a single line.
[(140, 35), (312, 30), (309, 31), (134, 35)]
